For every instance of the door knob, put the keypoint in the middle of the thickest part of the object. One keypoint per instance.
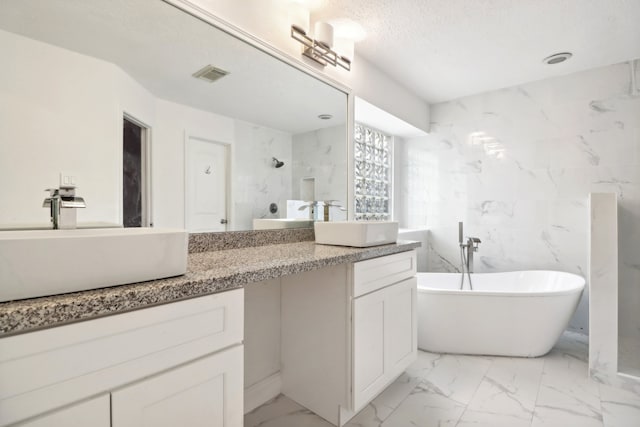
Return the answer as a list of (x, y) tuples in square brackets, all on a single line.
[(223, 221)]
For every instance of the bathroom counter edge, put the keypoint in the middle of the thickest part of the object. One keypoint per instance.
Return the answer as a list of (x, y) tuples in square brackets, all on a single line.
[(207, 273)]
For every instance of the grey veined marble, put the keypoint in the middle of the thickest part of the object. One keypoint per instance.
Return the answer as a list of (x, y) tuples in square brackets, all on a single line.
[(517, 166)]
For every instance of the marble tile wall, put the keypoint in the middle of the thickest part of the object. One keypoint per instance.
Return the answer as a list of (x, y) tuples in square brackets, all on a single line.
[(322, 155), (257, 183), (517, 166)]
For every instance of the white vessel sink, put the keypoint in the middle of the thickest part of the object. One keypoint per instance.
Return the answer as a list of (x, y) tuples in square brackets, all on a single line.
[(36, 263), (271, 223), (360, 234)]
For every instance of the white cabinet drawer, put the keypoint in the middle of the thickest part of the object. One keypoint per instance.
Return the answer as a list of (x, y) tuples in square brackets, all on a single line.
[(44, 370), (377, 273)]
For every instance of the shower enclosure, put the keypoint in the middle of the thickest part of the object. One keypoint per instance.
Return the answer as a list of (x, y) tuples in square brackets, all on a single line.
[(614, 294)]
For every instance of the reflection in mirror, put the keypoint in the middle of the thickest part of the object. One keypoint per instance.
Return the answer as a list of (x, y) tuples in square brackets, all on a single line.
[(73, 69)]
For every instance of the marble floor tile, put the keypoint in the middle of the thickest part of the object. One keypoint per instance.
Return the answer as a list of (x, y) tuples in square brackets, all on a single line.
[(426, 406), (463, 391), (283, 412), (574, 344), (472, 418), (457, 376), (385, 403), (510, 387), (424, 365), (557, 416), (620, 408), (367, 417)]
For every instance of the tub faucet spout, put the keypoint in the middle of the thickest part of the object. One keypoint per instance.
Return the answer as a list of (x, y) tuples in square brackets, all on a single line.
[(472, 245)]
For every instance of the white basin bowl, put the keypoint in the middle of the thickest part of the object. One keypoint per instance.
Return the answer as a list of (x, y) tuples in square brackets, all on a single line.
[(271, 223), (36, 263), (360, 234)]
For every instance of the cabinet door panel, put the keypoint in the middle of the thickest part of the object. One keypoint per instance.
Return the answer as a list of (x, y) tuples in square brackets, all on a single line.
[(94, 413), (368, 349), (207, 392), (400, 326)]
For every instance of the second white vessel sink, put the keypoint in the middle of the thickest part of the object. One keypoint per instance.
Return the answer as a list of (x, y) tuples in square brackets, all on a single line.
[(359, 234), (36, 263)]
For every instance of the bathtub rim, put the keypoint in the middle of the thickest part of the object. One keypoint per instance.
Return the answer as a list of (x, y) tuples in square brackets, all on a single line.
[(502, 293)]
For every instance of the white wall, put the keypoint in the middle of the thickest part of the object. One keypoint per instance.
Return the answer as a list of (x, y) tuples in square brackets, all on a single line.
[(55, 118), (268, 20), (174, 122), (522, 184), (261, 331)]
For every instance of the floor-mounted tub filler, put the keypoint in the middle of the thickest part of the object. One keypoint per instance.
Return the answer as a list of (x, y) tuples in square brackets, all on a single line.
[(520, 313)]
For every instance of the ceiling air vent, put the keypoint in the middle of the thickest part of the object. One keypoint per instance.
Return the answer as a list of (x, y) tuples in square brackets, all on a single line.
[(210, 74)]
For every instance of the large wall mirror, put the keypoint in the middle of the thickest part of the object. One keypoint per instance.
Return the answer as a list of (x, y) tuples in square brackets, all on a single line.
[(103, 92)]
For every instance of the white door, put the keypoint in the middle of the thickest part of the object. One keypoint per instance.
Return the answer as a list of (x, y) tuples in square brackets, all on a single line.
[(206, 182), (95, 413), (204, 393)]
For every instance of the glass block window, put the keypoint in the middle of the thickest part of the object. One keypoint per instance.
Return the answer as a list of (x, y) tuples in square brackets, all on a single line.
[(372, 154)]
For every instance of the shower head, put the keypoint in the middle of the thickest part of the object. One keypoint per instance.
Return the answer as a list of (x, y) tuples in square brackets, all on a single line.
[(277, 163)]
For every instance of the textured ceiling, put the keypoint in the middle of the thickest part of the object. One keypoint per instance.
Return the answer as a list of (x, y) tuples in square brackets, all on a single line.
[(446, 49)]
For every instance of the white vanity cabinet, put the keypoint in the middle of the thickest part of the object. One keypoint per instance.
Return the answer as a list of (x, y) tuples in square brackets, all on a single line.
[(347, 332), (174, 364)]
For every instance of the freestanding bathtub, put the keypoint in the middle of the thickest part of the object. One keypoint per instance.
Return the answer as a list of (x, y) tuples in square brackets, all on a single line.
[(520, 313)]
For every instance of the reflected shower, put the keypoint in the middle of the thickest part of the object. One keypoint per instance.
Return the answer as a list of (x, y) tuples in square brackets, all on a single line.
[(277, 163)]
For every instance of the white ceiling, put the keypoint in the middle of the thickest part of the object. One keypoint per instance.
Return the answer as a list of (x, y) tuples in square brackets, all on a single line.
[(447, 49), (161, 47)]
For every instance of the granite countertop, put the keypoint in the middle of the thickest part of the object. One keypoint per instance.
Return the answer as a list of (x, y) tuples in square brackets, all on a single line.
[(207, 273)]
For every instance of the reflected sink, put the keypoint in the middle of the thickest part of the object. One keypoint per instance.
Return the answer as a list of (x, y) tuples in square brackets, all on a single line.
[(36, 263), (271, 223), (360, 234)]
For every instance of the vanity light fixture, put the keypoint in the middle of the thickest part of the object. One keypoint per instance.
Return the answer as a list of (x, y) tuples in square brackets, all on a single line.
[(318, 51), (318, 48)]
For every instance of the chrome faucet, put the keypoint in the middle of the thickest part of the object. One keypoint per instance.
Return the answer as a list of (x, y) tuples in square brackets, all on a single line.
[(469, 247), (328, 204), (63, 203), (312, 208)]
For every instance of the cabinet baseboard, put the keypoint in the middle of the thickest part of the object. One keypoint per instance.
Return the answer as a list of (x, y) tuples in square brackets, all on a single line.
[(262, 392)]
